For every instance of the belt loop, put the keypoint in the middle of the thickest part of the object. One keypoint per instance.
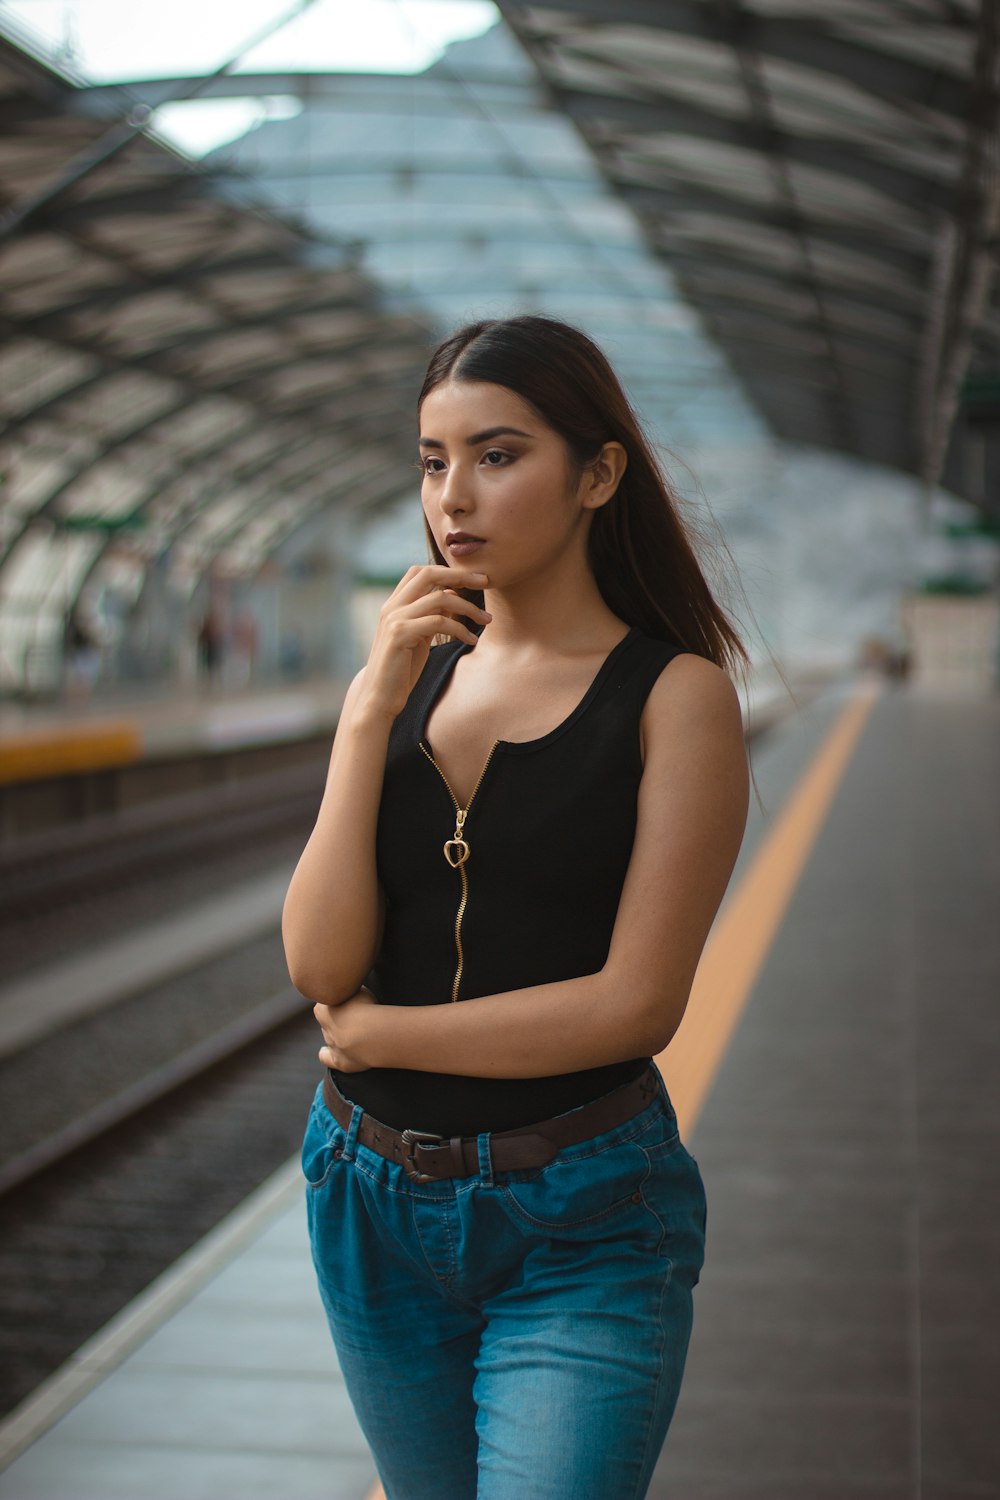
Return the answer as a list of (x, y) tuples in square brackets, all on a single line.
[(661, 1089), (485, 1159), (352, 1132)]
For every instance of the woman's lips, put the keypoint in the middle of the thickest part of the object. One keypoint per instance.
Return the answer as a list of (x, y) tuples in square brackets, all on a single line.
[(464, 547)]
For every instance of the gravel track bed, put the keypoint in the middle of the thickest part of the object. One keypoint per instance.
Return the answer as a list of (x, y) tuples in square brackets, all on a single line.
[(62, 1078), (49, 935), (81, 1240)]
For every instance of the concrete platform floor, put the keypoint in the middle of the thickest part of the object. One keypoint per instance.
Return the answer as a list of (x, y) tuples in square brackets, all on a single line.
[(845, 1335)]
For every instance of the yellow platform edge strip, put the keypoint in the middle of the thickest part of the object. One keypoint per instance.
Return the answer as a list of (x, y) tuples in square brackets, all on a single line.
[(39, 757), (746, 926)]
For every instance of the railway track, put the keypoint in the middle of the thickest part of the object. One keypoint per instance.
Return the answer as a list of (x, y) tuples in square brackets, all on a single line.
[(132, 1131), (85, 1231), (62, 891)]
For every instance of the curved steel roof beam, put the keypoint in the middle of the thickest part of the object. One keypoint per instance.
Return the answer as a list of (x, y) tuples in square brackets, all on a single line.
[(187, 464), (123, 441), (966, 269), (157, 486), (595, 113), (343, 88), (219, 485), (323, 500), (342, 360), (374, 500), (383, 329), (126, 291), (749, 36), (190, 468), (308, 408), (388, 168), (118, 135), (659, 205), (651, 117), (342, 493), (817, 42), (295, 436), (221, 488), (880, 329), (108, 362), (703, 264), (805, 338)]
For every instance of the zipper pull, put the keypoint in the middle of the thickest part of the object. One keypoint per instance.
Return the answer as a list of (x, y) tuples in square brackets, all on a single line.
[(456, 850)]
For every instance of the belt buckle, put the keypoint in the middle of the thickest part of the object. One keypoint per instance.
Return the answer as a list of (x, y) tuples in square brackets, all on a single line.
[(412, 1139)]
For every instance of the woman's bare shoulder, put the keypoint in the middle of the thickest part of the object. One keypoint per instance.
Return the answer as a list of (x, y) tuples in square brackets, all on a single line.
[(694, 698)]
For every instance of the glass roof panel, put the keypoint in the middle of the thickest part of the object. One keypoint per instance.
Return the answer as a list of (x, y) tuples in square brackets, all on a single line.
[(30, 478), (737, 171), (120, 402), (107, 490), (37, 588), (944, 46), (145, 320), (33, 371), (40, 272), (202, 424)]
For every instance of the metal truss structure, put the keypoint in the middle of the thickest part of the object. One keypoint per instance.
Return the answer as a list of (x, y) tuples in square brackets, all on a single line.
[(177, 371), (821, 176)]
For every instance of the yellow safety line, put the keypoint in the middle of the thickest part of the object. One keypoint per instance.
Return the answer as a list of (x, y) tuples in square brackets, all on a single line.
[(746, 925), (33, 757), (743, 933)]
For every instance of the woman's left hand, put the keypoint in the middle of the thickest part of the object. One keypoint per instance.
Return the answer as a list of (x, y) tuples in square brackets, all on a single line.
[(345, 1028)]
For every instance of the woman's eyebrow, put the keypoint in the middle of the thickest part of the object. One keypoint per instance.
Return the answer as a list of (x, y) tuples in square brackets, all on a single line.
[(478, 437)]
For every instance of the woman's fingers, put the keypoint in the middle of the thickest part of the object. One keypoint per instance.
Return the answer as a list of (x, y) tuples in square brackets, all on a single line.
[(423, 604), (426, 602), (432, 604), (421, 578), (338, 1051)]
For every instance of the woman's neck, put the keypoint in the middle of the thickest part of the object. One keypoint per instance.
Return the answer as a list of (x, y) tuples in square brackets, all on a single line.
[(547, 624)]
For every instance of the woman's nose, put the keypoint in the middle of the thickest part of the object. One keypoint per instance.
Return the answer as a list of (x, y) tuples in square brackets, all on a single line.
[(454, 499)]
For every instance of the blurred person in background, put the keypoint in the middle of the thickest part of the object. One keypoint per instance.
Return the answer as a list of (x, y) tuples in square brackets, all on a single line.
[(81, 658), (211, 646)]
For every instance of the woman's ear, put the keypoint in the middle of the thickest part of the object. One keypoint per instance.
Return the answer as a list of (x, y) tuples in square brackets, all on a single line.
[(604, 475)]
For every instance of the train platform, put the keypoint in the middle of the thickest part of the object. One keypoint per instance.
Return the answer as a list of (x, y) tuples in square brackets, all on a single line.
[(61, 738), (53, 739), (835, 1078)]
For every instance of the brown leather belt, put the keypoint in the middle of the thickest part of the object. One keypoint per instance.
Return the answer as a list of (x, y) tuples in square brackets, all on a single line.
[(429, 1158)]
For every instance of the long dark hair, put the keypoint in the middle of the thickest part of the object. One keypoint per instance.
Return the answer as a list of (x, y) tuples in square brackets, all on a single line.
[(638, 546)]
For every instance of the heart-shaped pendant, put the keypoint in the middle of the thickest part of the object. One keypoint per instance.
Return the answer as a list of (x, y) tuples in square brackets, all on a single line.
[(460, 854)]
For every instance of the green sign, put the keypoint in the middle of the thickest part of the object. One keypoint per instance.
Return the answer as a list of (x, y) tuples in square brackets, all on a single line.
[(80, 521)]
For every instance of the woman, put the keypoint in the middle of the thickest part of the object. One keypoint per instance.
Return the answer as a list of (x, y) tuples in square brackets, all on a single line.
[(536, 796)]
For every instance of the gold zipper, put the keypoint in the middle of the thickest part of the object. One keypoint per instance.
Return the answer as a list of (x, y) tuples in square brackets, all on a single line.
[(456, 852)]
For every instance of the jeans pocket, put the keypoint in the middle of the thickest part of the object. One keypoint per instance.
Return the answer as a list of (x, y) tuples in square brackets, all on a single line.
[(578, 1190), (322, 1145), (674, 1194)]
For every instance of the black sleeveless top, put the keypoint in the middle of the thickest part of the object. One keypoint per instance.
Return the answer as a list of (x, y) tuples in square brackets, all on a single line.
[(549, 828)]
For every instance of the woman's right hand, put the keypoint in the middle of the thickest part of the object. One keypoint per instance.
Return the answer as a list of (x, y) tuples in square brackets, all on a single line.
[(424, 603)]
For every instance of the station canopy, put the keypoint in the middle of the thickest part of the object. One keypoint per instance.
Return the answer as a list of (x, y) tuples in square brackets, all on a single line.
[(178, 373), (773, 214), (822, 180)]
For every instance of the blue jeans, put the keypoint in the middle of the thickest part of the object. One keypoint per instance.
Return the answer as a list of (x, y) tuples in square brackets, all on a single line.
[(515, 1335)]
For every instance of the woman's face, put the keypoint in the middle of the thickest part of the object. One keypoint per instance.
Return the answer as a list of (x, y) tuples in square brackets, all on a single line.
[(493, 468)]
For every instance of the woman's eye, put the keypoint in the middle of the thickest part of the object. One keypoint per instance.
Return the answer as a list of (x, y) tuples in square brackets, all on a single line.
[(428, 465), (494, 457)]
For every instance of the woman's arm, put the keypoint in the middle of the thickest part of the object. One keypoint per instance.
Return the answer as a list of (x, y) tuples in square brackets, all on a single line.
[(691, 816), (334, 910)]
